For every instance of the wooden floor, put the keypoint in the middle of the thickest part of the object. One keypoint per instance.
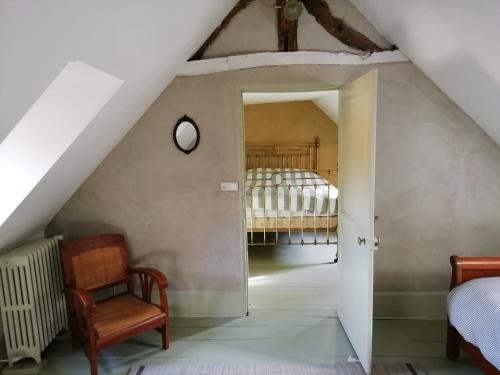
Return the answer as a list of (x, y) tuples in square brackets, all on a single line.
[(292, 320)]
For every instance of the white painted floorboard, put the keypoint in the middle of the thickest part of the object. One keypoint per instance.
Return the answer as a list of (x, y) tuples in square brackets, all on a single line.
[(292, 320)]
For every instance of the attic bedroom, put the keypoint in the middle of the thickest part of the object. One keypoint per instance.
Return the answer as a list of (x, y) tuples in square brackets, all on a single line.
[(273, 186)]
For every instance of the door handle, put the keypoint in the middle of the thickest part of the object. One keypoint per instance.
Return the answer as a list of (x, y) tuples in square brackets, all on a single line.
[(361, 241)]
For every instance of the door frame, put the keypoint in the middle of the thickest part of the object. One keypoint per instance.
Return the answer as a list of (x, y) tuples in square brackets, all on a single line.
[(240, 133)]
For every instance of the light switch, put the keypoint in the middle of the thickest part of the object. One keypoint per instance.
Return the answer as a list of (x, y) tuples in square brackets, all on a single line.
[(229, 186)]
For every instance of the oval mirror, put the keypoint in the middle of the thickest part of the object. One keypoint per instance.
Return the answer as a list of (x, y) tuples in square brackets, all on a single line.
[(186, 134)]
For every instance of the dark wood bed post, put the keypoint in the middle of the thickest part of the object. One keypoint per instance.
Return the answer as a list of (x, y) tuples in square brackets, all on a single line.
[(452, 339), (452, 343), (465, 269)]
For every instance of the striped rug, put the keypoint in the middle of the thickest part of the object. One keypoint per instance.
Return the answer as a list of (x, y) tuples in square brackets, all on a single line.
[(273, 369)]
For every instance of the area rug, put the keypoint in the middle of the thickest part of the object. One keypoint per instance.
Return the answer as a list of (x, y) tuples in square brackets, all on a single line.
[(334, 369)]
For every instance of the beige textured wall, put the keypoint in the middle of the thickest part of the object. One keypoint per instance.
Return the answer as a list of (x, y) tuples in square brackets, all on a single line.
[(254, 29), (292, 123), (437, 182), (242, 36)]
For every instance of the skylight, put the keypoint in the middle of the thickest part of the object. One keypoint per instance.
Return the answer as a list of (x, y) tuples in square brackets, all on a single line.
[(56, 119)]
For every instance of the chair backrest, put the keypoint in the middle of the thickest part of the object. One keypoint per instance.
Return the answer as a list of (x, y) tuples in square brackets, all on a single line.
[(95, 262)]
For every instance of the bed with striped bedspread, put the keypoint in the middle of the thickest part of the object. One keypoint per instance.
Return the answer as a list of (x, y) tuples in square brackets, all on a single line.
[(290, 191)]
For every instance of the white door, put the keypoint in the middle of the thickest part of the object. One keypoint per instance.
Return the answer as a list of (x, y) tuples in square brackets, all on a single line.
[(358, 103)]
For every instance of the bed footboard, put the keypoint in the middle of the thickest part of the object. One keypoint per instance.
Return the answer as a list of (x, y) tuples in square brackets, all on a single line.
[(465, 269)]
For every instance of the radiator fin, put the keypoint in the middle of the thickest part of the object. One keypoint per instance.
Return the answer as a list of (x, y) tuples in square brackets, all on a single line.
[(31, 298)]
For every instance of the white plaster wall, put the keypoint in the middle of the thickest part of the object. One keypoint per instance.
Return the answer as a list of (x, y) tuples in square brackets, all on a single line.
[(254, 29), (437, 183)]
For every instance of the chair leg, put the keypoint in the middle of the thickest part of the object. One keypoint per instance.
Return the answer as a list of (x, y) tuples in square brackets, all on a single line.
[(75, 343), (452, 346), (93, 361), (165, 337)]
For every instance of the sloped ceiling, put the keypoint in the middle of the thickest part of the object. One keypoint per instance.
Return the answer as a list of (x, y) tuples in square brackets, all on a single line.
[(327, 101), (454, 42), (142, 43), (242, 36)]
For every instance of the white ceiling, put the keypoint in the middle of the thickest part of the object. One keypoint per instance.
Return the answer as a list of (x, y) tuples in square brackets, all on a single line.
[(283, 96), (326, 100), (143, 43), (454, 42)]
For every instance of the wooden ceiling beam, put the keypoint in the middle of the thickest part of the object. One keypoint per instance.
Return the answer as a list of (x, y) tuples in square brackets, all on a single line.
[(287, 30), (241, 4), (336, 27)]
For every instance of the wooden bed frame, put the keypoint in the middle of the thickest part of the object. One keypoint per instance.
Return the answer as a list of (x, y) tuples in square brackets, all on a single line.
[(465, 269), (303, 156)]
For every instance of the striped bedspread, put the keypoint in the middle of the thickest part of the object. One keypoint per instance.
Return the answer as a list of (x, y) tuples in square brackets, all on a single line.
[(289, 190)]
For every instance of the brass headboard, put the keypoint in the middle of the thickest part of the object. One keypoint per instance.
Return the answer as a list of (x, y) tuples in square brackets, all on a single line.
[(303, 156)]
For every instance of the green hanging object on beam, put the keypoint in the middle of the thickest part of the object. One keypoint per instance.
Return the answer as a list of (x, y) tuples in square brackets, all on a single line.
[(292, 10)]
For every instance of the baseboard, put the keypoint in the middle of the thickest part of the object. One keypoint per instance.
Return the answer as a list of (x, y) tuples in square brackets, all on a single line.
[(409, 305), (206, 303)]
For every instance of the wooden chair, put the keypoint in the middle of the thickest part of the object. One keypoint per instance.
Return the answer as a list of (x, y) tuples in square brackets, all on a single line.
[(100, 262)]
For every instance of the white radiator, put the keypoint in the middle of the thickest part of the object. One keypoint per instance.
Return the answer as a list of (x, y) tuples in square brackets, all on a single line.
[(31, 298)]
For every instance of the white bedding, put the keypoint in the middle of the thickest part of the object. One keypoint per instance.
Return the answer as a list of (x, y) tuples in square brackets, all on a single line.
[(474, 310), (296, 192)]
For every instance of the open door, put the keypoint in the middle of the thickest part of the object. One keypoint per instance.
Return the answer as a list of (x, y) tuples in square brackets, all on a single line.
[(358, 105)]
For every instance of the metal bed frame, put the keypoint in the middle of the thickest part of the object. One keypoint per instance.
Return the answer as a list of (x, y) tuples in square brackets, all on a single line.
[(305, 158)]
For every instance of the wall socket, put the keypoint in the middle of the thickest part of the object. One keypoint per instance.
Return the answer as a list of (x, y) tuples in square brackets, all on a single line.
[(228, 186)]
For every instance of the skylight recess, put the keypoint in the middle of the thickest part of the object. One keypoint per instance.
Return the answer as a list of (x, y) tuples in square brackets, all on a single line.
[(51, 125)]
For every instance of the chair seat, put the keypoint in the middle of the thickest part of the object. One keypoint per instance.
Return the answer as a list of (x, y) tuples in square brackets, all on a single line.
[(118, 313)]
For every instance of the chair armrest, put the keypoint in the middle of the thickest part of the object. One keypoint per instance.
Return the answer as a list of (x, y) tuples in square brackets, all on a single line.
[(86, 302), (148, 276), (157, 276)]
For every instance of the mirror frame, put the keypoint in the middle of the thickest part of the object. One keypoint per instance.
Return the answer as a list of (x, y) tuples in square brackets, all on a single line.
[(186, 118)]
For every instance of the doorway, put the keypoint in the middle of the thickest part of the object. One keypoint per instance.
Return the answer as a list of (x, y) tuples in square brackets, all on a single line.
[(357, 105), (291, 160), (291, 165)]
